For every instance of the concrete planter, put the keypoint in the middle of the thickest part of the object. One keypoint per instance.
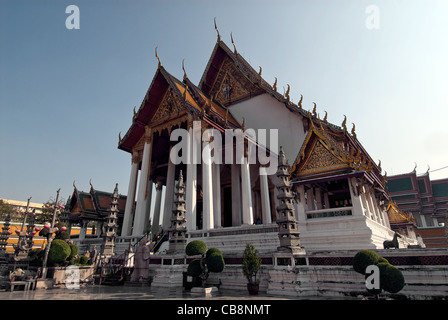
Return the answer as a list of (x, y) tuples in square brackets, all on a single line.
[(63, 275)]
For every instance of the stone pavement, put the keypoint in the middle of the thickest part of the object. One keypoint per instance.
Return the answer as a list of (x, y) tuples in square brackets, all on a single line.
[(97, 292)]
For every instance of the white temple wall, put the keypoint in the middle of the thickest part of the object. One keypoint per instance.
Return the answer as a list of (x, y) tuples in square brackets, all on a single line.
[(290, 126)]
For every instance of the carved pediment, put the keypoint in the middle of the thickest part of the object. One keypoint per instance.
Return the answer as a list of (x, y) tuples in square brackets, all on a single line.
[(169, 106), (319, 160), (231, 85)]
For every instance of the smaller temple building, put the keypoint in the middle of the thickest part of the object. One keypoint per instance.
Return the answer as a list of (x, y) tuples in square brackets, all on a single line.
[(427, 201), (93, 207)]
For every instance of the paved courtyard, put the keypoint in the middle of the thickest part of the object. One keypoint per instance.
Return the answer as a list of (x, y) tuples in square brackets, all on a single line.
[(97, 292)]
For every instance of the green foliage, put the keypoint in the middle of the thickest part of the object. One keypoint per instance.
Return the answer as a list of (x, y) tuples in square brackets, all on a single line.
[(36, 257), (210, 261), (365, 258), (195, 247), (212, 251), (194, 268), (82, 260), (251, 263), (73, 251), (59, 252), (391, 279), (215, 262), (64, 235)]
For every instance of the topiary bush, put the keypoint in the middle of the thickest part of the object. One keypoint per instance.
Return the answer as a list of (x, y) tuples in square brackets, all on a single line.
[(36, 257), (365, 258), (62, 234), (194, 268), (215, 262), (59, 252), (195, 248), (73, 251), (391, 278), (211, 260), (82, 260)]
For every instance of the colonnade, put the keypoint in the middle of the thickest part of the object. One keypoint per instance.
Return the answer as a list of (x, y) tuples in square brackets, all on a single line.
[(199, 157)]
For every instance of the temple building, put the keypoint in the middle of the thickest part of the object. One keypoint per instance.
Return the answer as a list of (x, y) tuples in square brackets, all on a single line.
[(231, 190), (427, 201), (91, 207)]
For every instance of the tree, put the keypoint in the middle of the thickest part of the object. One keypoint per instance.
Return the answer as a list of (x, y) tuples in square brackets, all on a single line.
[(251, 263), (6, 208), (211, 260)]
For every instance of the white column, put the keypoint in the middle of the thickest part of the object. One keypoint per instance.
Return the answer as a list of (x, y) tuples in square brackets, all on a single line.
[(301, 206), (318, 198), (157, 205), (191, 187), (130, 198), (357, 205), (246, 193), (217, 194), (207, 187), (264, 193), (236, 195), (83, 231), (148, 206), (169, 195), (140, 211)]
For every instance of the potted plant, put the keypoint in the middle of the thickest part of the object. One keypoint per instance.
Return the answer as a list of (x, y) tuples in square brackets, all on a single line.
[(251, 266)]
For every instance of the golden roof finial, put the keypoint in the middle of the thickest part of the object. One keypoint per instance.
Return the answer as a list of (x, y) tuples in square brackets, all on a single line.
[(353, 131), (300, 101), (287, 93), (314, 109), (119, 138), (344, 127), (135, 113), (217, 31), (183, 68), (325, 117), (275, 84), (157, 56), (259, 73), (234, 47)]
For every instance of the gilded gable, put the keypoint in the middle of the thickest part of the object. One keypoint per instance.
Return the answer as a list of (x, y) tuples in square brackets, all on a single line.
[(240, 86), (319, 160), (170, 106)]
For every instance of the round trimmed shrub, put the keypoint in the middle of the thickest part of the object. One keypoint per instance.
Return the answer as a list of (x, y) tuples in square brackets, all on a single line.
[(83, 260), (212, 251), (194, 268), (195, 247), (215, 262), (63, 235), (73, 251), (391, 279), (365, 258), (59, 251)]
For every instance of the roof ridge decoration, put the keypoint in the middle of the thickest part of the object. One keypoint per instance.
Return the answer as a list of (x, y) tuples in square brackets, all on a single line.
[(234, 47), (157, 56), (217, 31)]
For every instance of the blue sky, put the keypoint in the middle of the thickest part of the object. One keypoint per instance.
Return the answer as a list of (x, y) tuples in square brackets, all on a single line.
[(66, 94)]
